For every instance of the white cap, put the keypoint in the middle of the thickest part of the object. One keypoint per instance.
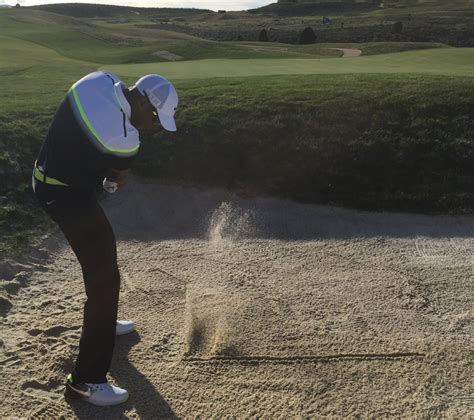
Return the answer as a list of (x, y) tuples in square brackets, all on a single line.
[(162, 95)]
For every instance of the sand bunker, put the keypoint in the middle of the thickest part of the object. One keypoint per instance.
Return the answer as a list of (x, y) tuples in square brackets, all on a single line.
[(255, 307), (348, 52), (167, 55)]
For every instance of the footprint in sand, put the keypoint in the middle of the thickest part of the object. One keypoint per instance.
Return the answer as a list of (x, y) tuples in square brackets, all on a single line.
[(58, 330), (48, 410), (5, 306), (11, 287), (57, 334), (51, 390)]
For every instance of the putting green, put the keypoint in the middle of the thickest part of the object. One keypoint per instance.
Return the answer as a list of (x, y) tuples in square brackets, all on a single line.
[(446, 61)]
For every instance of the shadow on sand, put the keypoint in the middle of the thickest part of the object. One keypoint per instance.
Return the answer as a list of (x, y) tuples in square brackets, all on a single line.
[(149, 211), (145, 401)]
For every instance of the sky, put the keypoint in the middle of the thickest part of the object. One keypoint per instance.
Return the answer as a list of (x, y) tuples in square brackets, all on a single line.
[(198, 4)]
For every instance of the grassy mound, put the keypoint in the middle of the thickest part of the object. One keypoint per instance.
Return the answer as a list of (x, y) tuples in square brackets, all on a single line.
[(314, 8), (448, 22), (82, 40), (368, 141), (85, 10)]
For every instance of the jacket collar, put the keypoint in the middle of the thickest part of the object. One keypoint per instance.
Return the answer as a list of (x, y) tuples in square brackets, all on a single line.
[(122, 101)]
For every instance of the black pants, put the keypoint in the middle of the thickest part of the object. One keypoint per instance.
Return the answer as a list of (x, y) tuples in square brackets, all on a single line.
[(92, 239)]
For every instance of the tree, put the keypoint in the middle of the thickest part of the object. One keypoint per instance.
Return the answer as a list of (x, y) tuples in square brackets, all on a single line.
[(307, 36), (263, 36)]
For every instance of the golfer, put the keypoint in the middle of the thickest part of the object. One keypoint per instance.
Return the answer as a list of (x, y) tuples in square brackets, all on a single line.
[(93, 140)]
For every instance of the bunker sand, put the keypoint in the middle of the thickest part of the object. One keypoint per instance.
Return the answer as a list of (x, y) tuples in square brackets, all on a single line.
[(348, 52), (255, 307)]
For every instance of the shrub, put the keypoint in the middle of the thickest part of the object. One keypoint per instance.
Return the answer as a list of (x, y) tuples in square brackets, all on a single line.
[(397, 27), (307, 36), (263, 36)]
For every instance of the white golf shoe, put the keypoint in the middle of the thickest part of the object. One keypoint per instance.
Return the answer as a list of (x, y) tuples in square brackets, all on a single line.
[(98, 394), (124, 327)]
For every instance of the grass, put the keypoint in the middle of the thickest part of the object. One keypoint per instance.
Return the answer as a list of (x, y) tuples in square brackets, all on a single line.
[(370, 141), (31, 86), (382, 131), (72, 38), (101, 42), (78, 40), (441, 61), (439, 21), (20, 221), (37, 77)]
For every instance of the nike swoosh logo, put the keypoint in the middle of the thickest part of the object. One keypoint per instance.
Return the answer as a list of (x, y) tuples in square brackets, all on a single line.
[(86, 394), (50, 202)]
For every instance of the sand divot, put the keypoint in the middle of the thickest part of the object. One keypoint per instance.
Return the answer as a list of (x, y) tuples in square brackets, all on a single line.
[(208, 322)]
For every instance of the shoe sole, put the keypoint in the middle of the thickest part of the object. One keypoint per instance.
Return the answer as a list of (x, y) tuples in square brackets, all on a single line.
[(105, 404), (124, 333)]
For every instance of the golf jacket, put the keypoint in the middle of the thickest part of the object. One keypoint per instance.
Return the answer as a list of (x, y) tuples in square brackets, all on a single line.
[(90, 133)]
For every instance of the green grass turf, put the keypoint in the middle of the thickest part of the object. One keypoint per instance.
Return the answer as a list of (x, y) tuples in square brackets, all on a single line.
[(33, 77), (85, 41), (73, 38), (445, 20), (102, 42), (377, 141), (445, 61)]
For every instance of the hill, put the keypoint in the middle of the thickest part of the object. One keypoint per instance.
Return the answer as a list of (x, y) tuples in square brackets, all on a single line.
[(89, 10), (118, 43), (439, 21), (297, 8)]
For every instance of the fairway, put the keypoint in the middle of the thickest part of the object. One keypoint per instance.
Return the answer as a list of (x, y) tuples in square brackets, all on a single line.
[(33, 76), (446, 61)]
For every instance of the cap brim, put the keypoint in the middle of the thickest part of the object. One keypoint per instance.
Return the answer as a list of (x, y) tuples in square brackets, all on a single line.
[(167, 122)]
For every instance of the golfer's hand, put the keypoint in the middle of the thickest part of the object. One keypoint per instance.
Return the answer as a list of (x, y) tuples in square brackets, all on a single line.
[(109, 186)]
